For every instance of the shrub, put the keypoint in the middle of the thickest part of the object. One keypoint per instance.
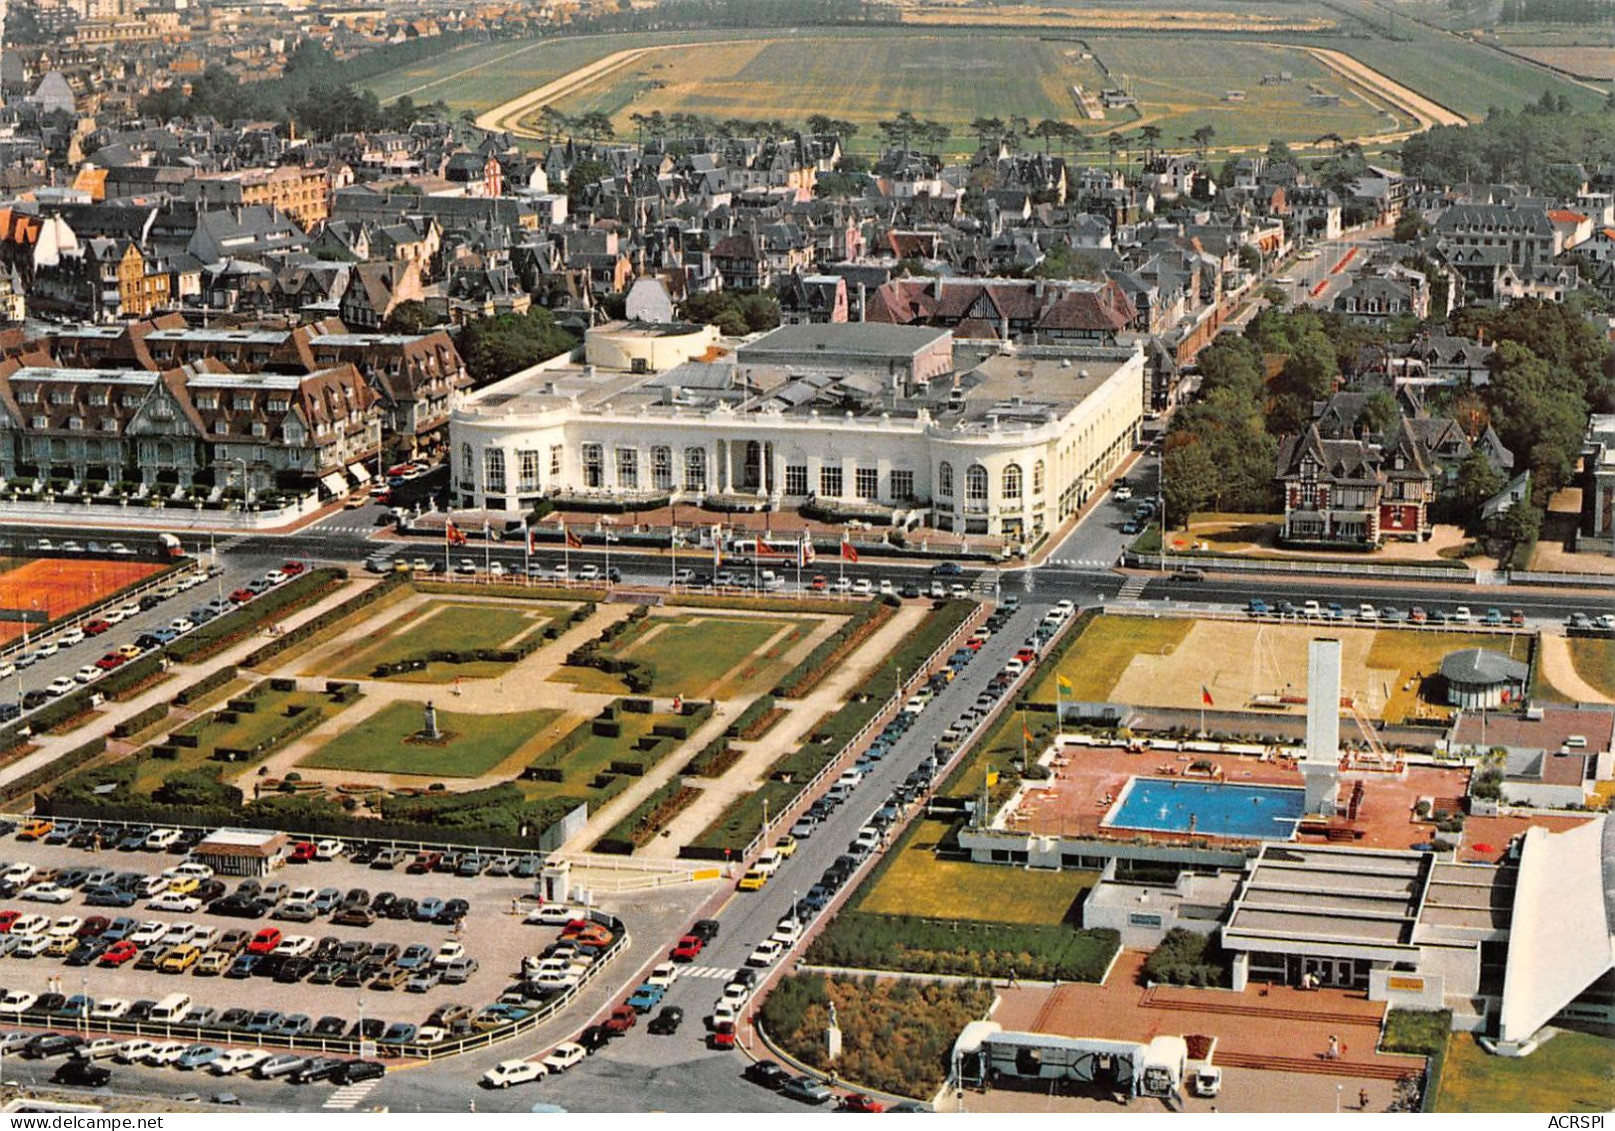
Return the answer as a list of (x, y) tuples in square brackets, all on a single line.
[(971, 949), (208, 683), (1187, 958)]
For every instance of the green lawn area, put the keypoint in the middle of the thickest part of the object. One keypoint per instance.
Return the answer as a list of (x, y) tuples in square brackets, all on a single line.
[(1574, 1072), (701, 655), (1095, 660), (479, 743), (250, 728), (1410, 650), (595, 756), (440, 626), (1595, 662), (915, 882)]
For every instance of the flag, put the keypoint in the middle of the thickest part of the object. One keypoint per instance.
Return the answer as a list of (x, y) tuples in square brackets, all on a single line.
[(1026, 732), (805, 550), (532, 538), (1205, 696), (573, 542), (847, 552), (452, 534), (487, 533), (764, 550), (717, 546), (1061, 682), (992, 778), (1508, 694)]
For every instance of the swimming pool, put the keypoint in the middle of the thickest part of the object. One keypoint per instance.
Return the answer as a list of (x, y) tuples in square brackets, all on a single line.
[(1267, 812)]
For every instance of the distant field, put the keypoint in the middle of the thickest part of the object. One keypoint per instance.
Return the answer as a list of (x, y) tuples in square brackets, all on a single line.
[(1189, 94), (1589, 62)]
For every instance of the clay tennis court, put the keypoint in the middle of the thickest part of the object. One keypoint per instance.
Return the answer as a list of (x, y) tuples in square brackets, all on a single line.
[(61, 586)]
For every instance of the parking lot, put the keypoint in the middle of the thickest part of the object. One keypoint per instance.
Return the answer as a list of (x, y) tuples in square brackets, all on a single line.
[(493, 933)]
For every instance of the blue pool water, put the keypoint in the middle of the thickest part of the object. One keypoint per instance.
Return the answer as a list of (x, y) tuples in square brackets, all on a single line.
[(1165, 805)]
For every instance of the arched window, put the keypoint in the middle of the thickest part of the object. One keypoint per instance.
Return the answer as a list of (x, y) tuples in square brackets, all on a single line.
[(976, 483), (1012, 481), (944, 480), (661, 467), (1037, 479), (695, 469)]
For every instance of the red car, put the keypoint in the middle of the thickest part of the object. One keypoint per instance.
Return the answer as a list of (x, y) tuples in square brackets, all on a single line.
[(973, 644), (292, 569), (93, 926), (266, 940), (302, 852), (723, 1037), (819, 583), (1026, 655), (6, 919), (860, 1102), (118, 953), (686, 949), (242, 596), (109, 661), (97, 627), (622, 1019)]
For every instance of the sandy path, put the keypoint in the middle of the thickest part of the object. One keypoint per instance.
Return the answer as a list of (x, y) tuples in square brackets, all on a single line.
[(508, 115), (1560, 670), (1427, 112)]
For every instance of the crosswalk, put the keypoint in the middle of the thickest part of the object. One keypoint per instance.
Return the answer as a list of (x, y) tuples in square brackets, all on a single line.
[(344, 528), (1083, 563), (1133, 588), (724, 972), (349, 1096)]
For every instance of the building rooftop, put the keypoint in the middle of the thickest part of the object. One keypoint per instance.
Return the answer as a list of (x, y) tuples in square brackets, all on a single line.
[(849, 339), (1482, 665)]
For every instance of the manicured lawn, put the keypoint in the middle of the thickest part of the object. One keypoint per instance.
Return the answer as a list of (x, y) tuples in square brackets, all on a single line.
[(1094, 662), (595, 755), (699, 655), (479, 743), (1574, 1072), (915, 882), (1408, 651), (1595, 662), (443, 626), (250, 728)]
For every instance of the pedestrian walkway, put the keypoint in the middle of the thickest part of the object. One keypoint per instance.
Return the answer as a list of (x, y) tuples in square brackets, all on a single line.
[(349, 1096)]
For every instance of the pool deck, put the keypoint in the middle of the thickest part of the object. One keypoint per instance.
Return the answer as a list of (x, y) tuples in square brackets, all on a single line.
[(1084, 776), (1132, 812)]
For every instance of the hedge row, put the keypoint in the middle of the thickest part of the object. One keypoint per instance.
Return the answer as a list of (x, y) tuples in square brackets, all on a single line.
[(33, 779), (301, 719), (820, 662), (715, 758), (547, 767), (244, 622), (140, 720), (969, 949), (421, 661), (638, 675), (648, 818), (205, 686), (749, 718)]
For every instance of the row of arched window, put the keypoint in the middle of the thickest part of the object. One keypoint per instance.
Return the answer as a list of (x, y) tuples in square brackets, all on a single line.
[(1012, 481)]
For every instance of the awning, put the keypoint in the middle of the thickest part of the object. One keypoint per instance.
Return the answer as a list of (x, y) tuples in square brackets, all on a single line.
[(334, 483), (360, 473)]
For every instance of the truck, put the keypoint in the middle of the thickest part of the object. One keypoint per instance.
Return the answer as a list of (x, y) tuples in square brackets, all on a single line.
[(169, 546)]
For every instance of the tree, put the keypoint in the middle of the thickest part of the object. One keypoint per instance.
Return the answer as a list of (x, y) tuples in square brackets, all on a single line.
[(1150, 135), (1202, 139), (1477, 481), (507, 343), (409, 317), (583, 175), (1191, 479), (1379, 413)]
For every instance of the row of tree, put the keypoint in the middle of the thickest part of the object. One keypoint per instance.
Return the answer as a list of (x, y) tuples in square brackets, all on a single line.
[(1542, 145)]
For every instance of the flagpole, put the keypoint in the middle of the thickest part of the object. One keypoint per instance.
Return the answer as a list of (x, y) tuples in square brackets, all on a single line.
[(566, 551), (487, 553), (673, 543), (448, 525), (527, 553)]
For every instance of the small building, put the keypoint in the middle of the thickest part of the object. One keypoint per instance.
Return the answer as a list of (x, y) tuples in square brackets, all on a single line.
[(1546, 779), (1144, 912), (1481, 679), (242, 852)]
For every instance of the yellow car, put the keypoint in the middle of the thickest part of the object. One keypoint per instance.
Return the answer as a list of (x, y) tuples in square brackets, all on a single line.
[(785, 847), (33, 830), (129, 651), (183, 885), (753, 880), (62, 946), (212, 964), (179, 960)]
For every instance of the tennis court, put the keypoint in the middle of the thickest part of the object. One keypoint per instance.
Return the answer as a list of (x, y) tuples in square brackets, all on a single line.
[(59, 587)]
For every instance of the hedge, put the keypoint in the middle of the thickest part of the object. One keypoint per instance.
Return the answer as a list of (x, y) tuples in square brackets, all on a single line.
[(648, 818), (750, 717), (206, 685), (244, 622), (965, 948), (33, 779), (140, 720), (818, 664), (302, 719), (715, 758), (1187, 958)]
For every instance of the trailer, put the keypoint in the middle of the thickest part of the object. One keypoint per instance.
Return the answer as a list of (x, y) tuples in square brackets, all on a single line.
[(986, 1055)]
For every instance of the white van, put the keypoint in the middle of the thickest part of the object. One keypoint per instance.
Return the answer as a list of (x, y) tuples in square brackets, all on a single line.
[(158, 840), (171, 1009)]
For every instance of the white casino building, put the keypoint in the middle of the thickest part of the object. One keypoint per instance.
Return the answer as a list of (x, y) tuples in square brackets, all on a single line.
[(887, 423)]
